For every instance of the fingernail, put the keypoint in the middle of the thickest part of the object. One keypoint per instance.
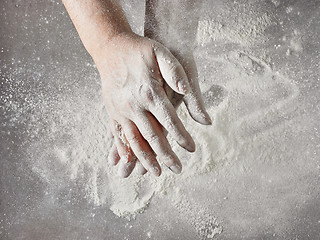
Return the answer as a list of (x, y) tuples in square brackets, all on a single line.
[(176, 169), (125, 159), (190, 148), (123, 173), (184, 88), (191, 145)]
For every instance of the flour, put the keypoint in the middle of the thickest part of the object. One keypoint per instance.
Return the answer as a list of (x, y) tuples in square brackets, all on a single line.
[(257, 106), (245, 26)]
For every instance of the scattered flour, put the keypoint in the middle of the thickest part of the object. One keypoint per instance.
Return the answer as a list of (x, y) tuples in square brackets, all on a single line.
[(245, 26), (276, 2), (258, 106)]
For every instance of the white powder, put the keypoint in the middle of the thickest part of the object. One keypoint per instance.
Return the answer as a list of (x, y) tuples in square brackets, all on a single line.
[(258, 106), (245, 26), (276, 2)]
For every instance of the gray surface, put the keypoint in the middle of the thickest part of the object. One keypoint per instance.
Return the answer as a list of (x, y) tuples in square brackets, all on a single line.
[(42, 57)]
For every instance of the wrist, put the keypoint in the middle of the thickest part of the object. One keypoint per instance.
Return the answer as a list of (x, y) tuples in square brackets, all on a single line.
[(110, 44)]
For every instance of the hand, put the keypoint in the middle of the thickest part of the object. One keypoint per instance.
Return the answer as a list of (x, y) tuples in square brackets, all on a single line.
[(133, 72), (195, 106)]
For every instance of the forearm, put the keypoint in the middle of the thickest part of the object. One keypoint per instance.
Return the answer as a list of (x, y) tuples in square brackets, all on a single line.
[(97, 21)]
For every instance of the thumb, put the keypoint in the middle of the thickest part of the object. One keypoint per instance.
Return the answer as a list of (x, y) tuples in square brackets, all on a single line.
[(171, 70)]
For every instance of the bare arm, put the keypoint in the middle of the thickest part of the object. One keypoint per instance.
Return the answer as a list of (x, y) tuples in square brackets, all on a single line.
[(97, 22)]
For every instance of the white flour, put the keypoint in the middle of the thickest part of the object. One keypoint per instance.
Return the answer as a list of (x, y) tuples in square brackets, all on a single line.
[(245, 26), (257, 107)]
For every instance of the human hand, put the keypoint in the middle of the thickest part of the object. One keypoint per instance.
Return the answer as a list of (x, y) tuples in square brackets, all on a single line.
[(195, 105), (134, 71)]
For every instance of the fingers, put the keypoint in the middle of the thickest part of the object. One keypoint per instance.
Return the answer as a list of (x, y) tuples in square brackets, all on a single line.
[(195, 105), (126, 168), (113, 157), (141, 148), (193, 100), (127, 161), (123, 148), (171, 70), (175, 76), (140, 169), (165, 113), (152, 132)]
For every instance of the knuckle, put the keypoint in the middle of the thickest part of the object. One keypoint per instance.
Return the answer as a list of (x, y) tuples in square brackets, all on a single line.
[(149, 96), (176, 70), (177, 73), (131, 106), (171, 126), (144, 155), (134, 139), (173, 68), (152, 138), (148, 93)]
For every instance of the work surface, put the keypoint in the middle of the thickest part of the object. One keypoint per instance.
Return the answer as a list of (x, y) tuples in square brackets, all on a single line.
[(256, 171)]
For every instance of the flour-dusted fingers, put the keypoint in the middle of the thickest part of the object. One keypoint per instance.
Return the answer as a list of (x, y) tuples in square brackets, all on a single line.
[(152, 132), (113, 157), (126, 168), (195, 105), (167, 116), (122, 146), (196, 109), (141, 148), (140, 168), (128, 160), (171, 70)]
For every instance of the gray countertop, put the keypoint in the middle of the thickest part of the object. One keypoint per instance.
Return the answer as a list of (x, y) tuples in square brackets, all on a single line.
[(45, 71)]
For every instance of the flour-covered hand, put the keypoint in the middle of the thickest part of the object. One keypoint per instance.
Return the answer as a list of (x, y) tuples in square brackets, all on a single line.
[(134, 71)]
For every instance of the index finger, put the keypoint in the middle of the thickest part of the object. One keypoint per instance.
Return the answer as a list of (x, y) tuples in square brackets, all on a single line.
[(163, 110)]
